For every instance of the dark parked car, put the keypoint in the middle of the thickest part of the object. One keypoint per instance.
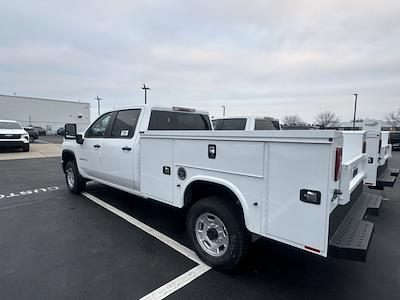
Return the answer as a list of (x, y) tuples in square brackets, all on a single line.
[(40, 130), (33, 134), (394, 139), (61, 131)]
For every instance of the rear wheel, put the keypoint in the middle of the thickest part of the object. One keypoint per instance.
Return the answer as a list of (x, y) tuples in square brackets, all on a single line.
[(75, 182), (217, 231)]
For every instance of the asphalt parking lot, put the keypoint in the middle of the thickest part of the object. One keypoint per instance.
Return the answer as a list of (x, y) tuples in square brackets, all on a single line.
[(57, 245)]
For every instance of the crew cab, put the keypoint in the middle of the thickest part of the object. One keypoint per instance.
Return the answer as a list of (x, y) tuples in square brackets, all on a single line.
[(12, 135), (248, 123), (288, 186)]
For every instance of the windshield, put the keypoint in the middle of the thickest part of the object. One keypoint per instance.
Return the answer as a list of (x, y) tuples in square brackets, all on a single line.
[(10, 125)]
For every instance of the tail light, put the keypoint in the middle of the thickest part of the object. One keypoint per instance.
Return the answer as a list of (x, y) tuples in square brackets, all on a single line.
[(338, 163), (364, 149), (380, 145)]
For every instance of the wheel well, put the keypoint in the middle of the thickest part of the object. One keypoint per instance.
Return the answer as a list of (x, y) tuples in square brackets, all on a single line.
[(201, 189), (66, 157)]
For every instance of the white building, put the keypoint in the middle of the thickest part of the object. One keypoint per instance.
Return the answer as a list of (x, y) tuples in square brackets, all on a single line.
[(47, 113)]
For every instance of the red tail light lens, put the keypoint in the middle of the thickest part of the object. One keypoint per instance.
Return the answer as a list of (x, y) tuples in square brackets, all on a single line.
[(364, 147), (380, 145), (338, 163)]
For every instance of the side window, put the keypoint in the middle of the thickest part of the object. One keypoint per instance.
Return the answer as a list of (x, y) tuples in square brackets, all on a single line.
[(234, 124), (98, 128), (217, 124), (125, 123), (266, 124)]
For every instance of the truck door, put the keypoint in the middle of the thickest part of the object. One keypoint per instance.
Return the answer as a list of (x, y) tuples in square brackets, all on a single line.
[(90, 152), (119, 147)]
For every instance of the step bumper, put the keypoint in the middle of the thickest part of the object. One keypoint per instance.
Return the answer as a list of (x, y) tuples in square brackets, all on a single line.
[(353, 236), (386, 179)]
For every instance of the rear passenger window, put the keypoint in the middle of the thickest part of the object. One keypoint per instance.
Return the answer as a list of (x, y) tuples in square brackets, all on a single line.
[(125, 123), (168, 120)]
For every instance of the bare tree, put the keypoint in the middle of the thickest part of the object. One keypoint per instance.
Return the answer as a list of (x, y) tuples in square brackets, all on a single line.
[(326, 119), (393, 118), (292, 120)]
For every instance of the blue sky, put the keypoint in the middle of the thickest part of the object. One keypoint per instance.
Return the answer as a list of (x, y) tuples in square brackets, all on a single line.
[(268, 58)]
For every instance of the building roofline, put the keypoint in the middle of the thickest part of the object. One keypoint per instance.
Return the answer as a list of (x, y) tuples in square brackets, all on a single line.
[(45, 99)]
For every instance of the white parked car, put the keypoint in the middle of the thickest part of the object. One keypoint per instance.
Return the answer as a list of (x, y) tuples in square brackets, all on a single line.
[(13, 135), (288, 186)]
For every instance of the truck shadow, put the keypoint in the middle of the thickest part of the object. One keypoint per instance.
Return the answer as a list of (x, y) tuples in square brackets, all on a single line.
[(270, 268)]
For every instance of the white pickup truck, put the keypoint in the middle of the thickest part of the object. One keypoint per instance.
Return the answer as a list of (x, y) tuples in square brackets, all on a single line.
[(288, 186)]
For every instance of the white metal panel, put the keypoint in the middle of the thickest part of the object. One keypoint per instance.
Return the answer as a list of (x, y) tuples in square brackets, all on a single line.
[(352, 144), (154, 155), (243, 158), (293, 167)]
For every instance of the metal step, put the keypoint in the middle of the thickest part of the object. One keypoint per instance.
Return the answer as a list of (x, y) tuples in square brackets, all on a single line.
[(386, 179), (352, 238), (394, 172)]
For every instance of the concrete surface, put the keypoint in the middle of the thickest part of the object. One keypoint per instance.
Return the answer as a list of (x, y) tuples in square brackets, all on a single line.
[(50, 139), (36, 151), (57, 245)]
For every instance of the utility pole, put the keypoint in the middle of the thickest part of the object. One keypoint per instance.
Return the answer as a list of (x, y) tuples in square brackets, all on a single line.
[(223, 110), (98, 104), (145, 88), (355, 109)]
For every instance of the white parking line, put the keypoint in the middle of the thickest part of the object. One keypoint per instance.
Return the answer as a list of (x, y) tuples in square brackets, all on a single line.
[(175, 284)]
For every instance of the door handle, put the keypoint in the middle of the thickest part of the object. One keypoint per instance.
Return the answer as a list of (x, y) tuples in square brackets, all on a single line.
[(96, 146), (126, 148)]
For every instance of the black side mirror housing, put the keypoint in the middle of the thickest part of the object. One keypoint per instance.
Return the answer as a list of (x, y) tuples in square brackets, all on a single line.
[(70, 131), (79, 139)]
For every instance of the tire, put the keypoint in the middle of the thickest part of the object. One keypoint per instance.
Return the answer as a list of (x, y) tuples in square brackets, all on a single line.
[(75, 182), (224, 213), (25, 148)]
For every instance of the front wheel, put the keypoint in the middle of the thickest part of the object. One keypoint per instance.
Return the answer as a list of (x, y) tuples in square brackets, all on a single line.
[(217, 231), (25, 148), (75, 182)]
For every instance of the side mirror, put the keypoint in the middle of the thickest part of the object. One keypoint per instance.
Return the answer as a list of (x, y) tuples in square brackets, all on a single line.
[(79, 139), (70, 131)]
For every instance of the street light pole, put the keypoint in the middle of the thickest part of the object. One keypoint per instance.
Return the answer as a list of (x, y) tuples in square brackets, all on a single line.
[(355, 110), (223, 110), (98, 104), (145, 88)]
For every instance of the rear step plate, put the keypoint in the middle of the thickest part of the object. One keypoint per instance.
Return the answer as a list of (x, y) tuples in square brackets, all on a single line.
[(352, 238), (386, 179), (394, 172)]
